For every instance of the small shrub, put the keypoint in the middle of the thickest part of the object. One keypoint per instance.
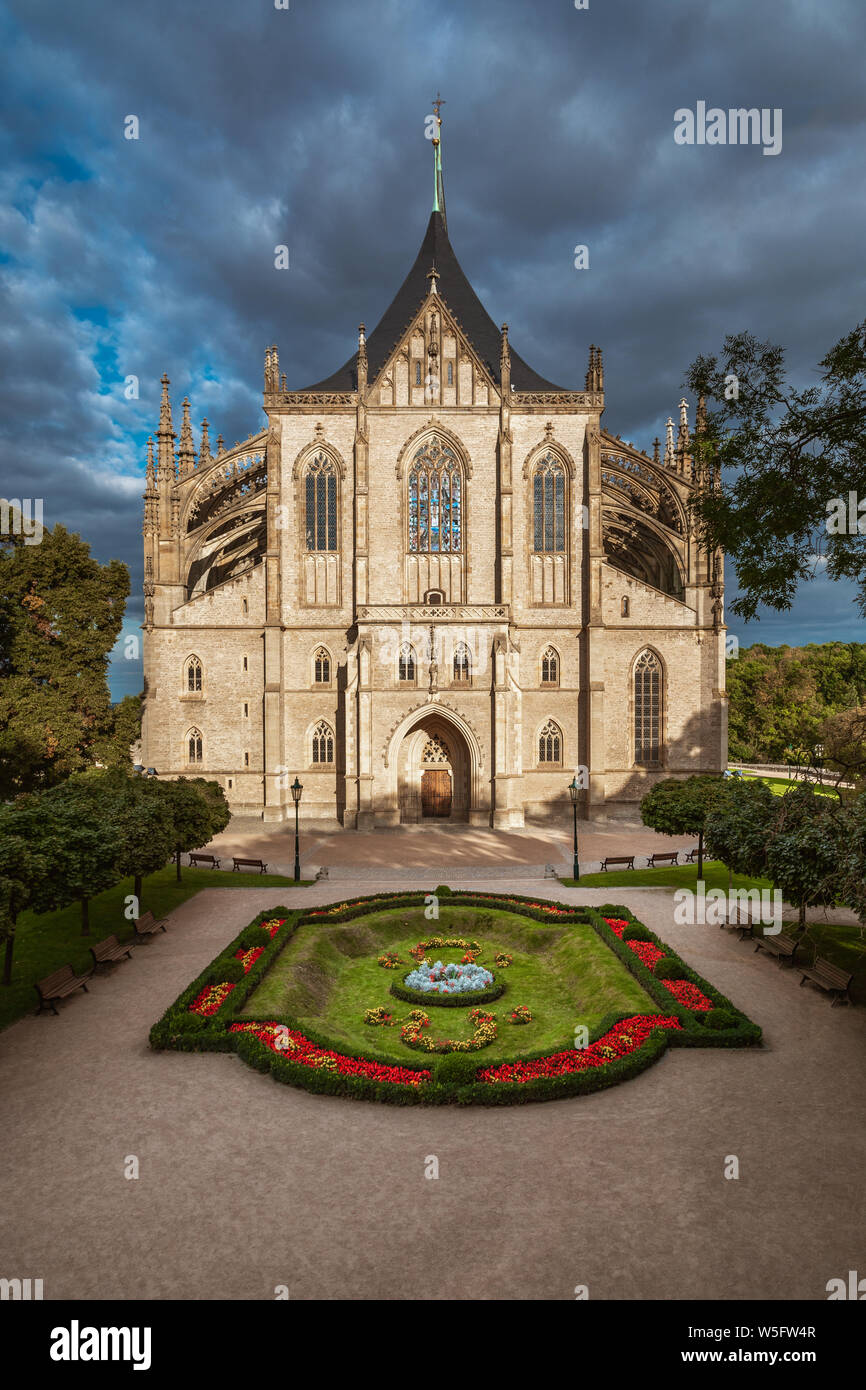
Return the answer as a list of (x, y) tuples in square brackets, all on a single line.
[(227, 971), (457, 1069), (670, 970), (720, 1019), (635, 932), (255, 936), (443, 891)]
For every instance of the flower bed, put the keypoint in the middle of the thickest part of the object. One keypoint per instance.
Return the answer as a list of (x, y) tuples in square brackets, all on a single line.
[(204, 1017), (448, 979)]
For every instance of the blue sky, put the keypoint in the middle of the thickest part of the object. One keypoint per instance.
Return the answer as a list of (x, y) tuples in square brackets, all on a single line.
[(305, 126)]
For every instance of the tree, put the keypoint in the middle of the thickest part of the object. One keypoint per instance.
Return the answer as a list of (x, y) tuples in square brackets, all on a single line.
[(802, 851), (80, 838), (197, 811), (778, 466), (737, 829), (143, 822), (843, 740), (60, 614), (22, 866), (680, 806)]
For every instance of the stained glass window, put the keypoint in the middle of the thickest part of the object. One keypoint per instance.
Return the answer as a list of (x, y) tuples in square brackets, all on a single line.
[(548, 501), (647, 710), (323, 743), (193, 675), (321, 504), (407, 663), (550, 743), (550, 667), (194, 745), (435, 500), (323, 667)]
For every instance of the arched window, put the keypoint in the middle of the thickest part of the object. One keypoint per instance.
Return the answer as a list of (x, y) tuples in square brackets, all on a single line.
[(647, 710), (193, 676), (321, 504), (194, 746), (406, 668), (550, 667), (435, 499), (462, 663), (323, 743), (548, 504), (623, 608), (550, 743), (322, 667)]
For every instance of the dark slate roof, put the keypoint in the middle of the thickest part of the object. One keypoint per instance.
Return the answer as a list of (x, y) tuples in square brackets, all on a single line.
[(458, 296)]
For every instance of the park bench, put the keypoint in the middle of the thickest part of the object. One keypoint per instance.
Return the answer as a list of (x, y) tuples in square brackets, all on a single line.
[(209, 860), (691, 857), (827, 977), (110, 949), (147, 925), (667, 857), (58, 985), (250, 864), (626, 861), (781, 946)]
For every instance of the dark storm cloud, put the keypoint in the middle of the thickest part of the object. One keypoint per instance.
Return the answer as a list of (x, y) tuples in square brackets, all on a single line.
[(306, 127)]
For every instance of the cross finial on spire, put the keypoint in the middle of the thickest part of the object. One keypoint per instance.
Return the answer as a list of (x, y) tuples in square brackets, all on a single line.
[(437, 102)]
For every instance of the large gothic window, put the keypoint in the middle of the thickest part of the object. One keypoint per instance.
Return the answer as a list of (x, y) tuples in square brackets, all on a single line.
[(435, 499), (548, 506), (323, 743), (550, 743), (647, 710), (321, 504)]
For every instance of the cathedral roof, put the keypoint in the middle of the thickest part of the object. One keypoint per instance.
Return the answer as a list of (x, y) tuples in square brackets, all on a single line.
[(458, 297)]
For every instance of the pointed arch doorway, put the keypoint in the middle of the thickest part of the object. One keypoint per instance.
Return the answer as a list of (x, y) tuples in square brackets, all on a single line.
[(434, 773)]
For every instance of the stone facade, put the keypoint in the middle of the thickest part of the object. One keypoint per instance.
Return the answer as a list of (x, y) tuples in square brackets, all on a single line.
[(433, 586)]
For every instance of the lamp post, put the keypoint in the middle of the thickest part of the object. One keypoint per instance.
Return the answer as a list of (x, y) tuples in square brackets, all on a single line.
[(573, 790), (296, 790)]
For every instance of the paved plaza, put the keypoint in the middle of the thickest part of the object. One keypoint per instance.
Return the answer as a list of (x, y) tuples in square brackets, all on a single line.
[(245, 1185)]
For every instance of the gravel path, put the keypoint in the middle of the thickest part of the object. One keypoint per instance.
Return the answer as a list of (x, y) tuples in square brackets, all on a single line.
[(245, 1185)]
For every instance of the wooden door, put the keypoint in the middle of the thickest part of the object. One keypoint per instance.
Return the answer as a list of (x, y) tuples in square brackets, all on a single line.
[(435, 793)]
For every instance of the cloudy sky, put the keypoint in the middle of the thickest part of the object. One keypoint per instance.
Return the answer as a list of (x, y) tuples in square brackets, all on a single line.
[(305, 126)]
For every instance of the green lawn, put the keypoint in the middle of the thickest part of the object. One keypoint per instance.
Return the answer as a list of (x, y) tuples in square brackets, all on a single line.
[(44, 943), (679, 876), (327, 976), (779, 785)]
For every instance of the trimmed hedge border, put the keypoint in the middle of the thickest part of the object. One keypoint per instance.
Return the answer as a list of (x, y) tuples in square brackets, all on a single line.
[(181, 1030), (447, 1001)]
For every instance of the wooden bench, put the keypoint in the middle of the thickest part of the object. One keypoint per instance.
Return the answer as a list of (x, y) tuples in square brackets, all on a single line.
[(209, 860), (110, 949), (58, 985), (667, 857), (147, 925), (626, 860), (691, 857), (781, 946), (827, 977), (250, 864)]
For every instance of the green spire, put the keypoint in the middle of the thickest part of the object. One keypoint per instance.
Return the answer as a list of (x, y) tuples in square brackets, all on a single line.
[(438, 185)]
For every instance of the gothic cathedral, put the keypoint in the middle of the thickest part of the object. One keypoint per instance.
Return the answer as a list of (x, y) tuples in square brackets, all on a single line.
[(433, 586)]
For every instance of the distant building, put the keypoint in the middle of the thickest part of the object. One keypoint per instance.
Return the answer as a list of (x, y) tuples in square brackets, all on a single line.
[(433, 586)]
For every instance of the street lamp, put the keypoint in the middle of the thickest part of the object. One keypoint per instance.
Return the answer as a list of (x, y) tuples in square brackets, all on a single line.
[(573, 790), (296, 789)]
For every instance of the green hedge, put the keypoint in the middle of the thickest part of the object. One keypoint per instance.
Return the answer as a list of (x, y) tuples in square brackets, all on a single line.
[(723, 1026), (447, 1001)]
